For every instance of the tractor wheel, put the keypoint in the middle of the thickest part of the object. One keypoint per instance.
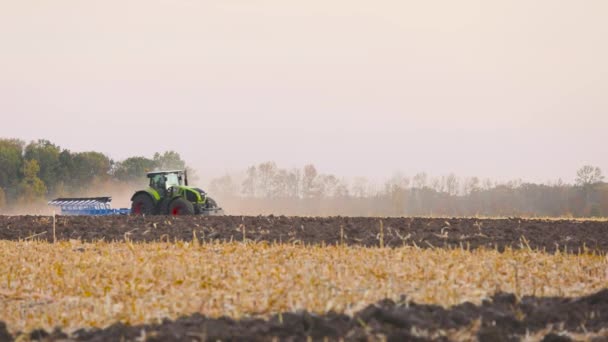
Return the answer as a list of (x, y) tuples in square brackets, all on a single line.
[(163, 206), (211, 203), (211, 208), (180, 206), (142, 204)]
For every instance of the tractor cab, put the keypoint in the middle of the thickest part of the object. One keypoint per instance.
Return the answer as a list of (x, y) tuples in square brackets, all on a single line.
[(161, 181)]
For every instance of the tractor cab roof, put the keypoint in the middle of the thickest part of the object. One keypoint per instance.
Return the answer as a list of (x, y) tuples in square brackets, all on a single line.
[(154, 173)]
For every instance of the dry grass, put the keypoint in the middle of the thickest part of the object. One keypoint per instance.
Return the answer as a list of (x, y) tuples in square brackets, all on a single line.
[(74, 284)]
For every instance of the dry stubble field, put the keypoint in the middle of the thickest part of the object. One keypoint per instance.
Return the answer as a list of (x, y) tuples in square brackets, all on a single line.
[(292, 290)]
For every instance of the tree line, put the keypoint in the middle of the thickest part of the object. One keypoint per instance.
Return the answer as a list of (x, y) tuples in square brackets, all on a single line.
[(39, 170), (267, 188)]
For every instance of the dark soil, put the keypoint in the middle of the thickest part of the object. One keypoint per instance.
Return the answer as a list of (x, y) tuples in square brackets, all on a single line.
[(503, 318), (565, 235)]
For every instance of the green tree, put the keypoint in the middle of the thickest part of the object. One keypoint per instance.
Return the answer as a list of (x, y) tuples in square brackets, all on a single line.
[(31, 188), (169, 160), (85, 167), (64, 173), (11, 162), (133, 169), (47, 156), (2, 199)]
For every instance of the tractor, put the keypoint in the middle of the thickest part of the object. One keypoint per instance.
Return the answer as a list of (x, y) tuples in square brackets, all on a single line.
[(169, 194)]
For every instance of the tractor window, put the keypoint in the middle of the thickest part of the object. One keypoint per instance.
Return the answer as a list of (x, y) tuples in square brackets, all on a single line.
[(158, 182), (172, 180)]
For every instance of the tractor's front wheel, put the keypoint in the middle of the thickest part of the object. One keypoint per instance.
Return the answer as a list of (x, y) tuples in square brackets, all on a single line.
[(209, 208), (142, 204), (181, 206), (211, 203)]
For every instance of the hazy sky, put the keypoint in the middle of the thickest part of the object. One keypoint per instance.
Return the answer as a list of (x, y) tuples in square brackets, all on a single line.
[(502, 89)]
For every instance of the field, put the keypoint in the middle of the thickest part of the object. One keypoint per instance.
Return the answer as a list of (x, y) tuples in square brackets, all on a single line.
[(468, 233), (259, 278)]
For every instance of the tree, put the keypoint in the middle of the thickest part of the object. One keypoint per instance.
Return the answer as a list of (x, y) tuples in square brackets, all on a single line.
[(360, 187), (395, 190), (266, 178), (169, 160), (31, 188), (11, 162), (587, 178), (293, 183), (280, 184), (471, 185), (328, 185), (133, 169), (451, 184), (420, 180), (308, 181), (488, 184), (438, 184), (250, 183), (341, 190), (89, 166), (223, 186), (588, 175), (2, 198), (47, 156)]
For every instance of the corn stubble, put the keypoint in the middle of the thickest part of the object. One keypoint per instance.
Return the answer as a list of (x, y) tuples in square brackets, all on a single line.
[(75, 285)]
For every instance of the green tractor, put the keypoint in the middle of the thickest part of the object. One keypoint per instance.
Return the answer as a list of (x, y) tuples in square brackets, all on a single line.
[(169, 194)]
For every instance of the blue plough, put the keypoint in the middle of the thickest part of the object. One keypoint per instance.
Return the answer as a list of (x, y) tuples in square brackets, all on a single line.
[(94, 206)]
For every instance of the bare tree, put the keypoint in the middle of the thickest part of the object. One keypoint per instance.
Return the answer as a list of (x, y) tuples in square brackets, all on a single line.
[(224, 186), (280, 184), (328, 185), (488, 184), (308, 180), (420, 180), (588, 175), (438, 184), (266, 176), (311, 193), (293, 183), (341, 190), (397, 182), (471, 185), (451, 184), (360, 187), (250, 183)]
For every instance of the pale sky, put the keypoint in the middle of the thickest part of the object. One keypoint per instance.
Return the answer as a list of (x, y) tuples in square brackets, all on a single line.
[(501, 89)]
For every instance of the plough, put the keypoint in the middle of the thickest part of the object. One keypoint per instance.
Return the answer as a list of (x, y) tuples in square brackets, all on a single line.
[(97, 206)]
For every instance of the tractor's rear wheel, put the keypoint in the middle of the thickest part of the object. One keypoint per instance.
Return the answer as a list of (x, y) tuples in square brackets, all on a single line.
[(180, 206), (142, 204)]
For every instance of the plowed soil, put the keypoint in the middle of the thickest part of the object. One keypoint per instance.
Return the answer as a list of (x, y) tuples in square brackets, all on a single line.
[(503, 318), (550, 235)]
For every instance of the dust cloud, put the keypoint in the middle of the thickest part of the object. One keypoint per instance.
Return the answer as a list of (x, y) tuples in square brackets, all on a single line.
[(119, 192)]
